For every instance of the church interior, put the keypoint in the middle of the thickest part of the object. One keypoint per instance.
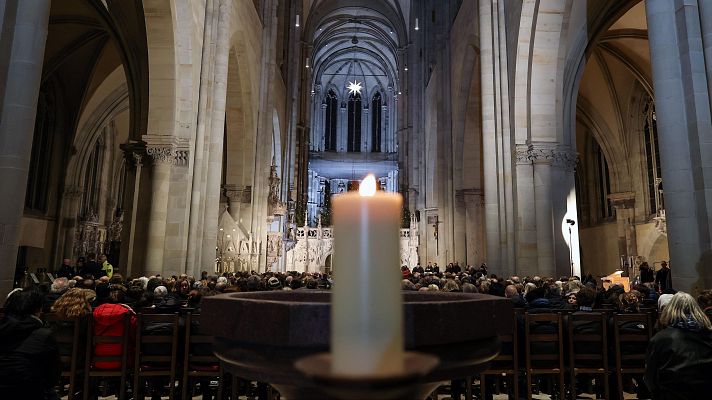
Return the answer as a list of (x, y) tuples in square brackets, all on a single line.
[(168, 151)]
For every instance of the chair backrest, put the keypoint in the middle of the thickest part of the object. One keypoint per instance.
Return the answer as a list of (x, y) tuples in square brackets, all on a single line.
[(197, 345), (632, 332), (544, 340), (509, 344), (94, 340), (66, 333), (157, 340), (588, 340)]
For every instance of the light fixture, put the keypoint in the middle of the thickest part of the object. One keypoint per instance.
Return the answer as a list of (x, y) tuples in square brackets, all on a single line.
[(307, 62), (417, 28), (297, 23), (354, 87), (405, 68)]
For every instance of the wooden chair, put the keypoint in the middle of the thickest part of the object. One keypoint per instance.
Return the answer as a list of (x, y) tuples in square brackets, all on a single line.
[(595, 361), (195, 364), (157, 352), (505, 363), (90, 371), (546, 364), (67, 335), (630, 363)]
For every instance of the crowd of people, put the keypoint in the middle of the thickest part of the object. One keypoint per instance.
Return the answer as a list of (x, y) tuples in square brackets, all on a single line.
[(681, 349)]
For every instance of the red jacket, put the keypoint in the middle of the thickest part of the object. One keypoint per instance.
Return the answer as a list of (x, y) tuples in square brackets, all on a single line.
[(108, 322)]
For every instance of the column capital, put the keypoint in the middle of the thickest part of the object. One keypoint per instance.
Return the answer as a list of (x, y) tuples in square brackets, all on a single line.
[(134, 153), (521, 154), (161, 149), (622, 200), (565, 158)]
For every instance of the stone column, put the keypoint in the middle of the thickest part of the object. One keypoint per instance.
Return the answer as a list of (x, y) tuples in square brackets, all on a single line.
[(138, 159), (564, 207), (682, 104), (342, 124), (234, 198), (321, 135), (163, 156), (365, 131), (386, 139), (542, 155), (474, 226), (526, 232), (71, 201), (624, 203), (216, 136), (24, 33)]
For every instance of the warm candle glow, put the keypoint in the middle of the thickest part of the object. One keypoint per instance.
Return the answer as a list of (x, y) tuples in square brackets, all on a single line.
[(368, 186)]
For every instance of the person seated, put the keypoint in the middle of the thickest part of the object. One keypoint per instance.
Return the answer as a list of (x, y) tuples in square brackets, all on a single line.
[(705, 302), (29, 357), (108, 321), (58, 288), (678, 362)]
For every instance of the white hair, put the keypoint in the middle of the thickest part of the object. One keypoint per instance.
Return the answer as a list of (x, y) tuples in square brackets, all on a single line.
[(160, 291), (59, 285)]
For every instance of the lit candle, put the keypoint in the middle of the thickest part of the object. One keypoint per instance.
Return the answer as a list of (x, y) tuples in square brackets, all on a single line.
[(367, 304)]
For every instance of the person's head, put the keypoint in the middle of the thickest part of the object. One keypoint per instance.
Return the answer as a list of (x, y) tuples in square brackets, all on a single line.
[(116, 279), (585, 297), (534, 294), (184, 287), (23, 303), (102, 258), (66, 262), (91, 257), (81, 261), (117, 293), (160, 292), (629, 302), (74, 303), (88, 284), (469, 288), (510, 291), (194, 298), (683, 311), (664, 264), (705, 299), (451, 286), (407, 285), (59, 285)]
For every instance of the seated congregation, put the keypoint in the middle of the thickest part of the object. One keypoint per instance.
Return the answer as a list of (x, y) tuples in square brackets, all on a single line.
[(82, 337)]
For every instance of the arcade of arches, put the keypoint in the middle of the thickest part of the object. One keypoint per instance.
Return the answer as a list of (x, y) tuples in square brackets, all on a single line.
[(533, 135)]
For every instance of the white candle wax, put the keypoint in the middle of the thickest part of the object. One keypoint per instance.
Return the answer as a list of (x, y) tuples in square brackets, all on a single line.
[(367, 304)]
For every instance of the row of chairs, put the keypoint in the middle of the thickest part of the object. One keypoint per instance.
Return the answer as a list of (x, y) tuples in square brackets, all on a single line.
[(143, 356), (556, 364)]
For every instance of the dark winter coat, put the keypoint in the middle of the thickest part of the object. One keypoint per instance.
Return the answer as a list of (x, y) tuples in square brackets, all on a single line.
[(679, 364), (29, 359)]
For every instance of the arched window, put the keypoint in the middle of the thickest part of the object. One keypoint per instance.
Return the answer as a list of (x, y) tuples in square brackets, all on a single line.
[(92, 181), (41, 159), (332, 107), (354, 133), (603, 183), (652, 156), (376, 122)]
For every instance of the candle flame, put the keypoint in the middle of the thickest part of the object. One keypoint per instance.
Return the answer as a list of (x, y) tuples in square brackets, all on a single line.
[(368, 186)]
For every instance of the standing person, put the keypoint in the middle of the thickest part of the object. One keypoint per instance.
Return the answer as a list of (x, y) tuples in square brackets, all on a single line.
[(66, 270), (678, 362), (663, 278), (106, 266), (29, 357), (92, 268), (647, 274)]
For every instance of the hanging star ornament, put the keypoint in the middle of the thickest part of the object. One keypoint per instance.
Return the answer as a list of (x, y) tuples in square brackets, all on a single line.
[(354, 87)]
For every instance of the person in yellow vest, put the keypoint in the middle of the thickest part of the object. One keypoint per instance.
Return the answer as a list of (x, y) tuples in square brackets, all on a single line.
[(106, 266)]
